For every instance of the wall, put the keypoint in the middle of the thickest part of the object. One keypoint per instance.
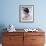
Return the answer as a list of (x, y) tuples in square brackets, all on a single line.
[(9, 13)]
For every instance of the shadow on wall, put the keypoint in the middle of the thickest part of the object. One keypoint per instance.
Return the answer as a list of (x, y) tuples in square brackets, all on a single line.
[(2, 26)]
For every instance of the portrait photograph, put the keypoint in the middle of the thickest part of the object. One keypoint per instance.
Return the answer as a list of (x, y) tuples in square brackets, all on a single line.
[(26, 13)]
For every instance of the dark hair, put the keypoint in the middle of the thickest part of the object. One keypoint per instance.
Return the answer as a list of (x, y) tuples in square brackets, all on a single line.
[(26, 10)]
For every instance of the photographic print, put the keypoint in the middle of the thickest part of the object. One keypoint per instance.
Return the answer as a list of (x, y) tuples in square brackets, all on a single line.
[(26, 13)]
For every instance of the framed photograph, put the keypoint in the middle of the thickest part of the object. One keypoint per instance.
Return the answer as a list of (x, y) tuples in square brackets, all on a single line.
[(26, 13)]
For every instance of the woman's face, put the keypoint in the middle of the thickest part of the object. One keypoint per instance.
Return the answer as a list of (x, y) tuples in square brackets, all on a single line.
[(25, 12)]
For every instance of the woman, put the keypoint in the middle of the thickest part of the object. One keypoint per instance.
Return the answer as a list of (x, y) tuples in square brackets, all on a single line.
[(26, 14)]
